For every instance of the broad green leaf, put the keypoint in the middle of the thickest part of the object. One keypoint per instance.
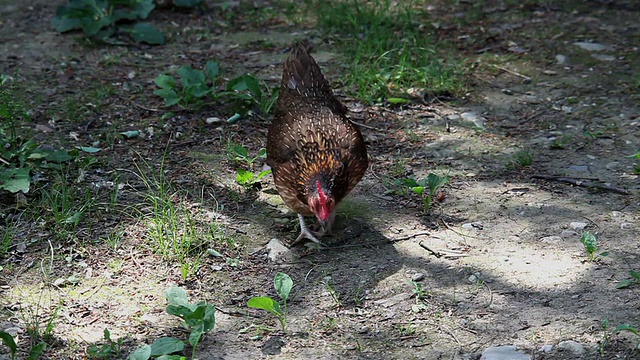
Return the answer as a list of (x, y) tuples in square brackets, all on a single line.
[(176, 296), (195, 335), (165, 82), (190, 76), (212, 70), (143, 32), (36, 351), (262, 174), (171, 357), (283, 284), (395, 101), (142, 352), (635, 274), (88, 149), (245, 82), (7, 340), (262, 153), (410, 182), (241, 152), (199, 90), (64, 24), (169, 95), (59, 156), (244, 177), (264, 303), (165, 346), (130, 134), (625, 283), (15, 180)]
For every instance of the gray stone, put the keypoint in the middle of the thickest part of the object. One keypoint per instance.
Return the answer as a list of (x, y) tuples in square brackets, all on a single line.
[(417, 277), (546, 348), (603, 57), (474, 118), (551, 239), (572, 346), (506, 352), (276, 250), (590, 46), (577, 225), (561, 59)]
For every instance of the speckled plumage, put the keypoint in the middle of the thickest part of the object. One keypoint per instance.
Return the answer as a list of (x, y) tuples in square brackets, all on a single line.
[(310, 137)]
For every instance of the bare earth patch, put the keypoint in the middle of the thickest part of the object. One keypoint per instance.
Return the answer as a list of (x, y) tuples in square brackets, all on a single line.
[(499, 259)]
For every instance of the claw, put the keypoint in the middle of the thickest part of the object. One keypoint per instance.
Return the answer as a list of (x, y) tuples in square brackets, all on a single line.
[(306, 233)]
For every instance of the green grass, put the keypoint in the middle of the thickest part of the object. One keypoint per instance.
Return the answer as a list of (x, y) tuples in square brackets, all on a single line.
[(388, 48)]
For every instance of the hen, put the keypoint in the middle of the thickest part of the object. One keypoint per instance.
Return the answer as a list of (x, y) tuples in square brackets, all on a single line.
[(316, 154)]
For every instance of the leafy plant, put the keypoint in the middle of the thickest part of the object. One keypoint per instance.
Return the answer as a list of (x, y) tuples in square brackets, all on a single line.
[(8, 341), (106, 350), (244, 177), (635, 279), (432, 183), (194, 86), (590, 244), (247, 178), (283, 285), (198, 318), (629, 328), (636, 166), (102, 19), (248, 90)]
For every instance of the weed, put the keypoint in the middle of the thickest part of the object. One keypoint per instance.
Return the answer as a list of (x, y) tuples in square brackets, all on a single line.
[(172, 230), (432, 183), (635, 279), (590, 244), (636, 165), (247, 179), (283, 285), (8, 341), (108, 349), (335, 296), (194, 86), (560, 142), (420, 295), (605, 336), (198, 318), (387, 49), (520, 159), (103, 19), (626, 327)]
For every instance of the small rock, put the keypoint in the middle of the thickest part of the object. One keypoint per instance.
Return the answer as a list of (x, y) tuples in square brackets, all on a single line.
[(507, 92), (363, 330), (614, 165), (566, 109), (616, 213), (577, 226), (474, 118), (417, 277), (212, 120), (561, 59), (546, 348), (453, 117), (472, 279), (572, 346), (471, 226), (507, 352), (603, 57), (351, 347), (551, 239), (275, 249), (568, 233), (625, 226), (590, 46)]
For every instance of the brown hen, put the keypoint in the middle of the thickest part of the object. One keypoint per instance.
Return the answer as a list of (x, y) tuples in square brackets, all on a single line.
[(316, 154)]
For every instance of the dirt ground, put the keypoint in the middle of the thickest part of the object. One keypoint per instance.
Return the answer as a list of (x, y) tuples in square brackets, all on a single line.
[(499, 258)]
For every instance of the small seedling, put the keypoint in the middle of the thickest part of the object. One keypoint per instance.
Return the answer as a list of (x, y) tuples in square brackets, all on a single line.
[(560, 142), (636, 166), (247, 179), (106, 350), (590, 244), (635, 279), (432, 183), (240, 153), (198, 318), (629, 328), (283, 285), (522, 158), (420, 294), (103, 19)]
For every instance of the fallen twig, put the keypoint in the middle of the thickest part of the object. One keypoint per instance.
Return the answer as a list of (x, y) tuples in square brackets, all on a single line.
[(368, 126), (592, 183), (448, 254), (411, 236)]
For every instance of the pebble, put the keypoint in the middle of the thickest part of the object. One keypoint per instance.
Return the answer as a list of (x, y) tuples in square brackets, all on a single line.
[(276, 249), (603, 57), (551, 239), (472, 279), (561, 59), (474, 118), (417, 277), (546, 348), (363, 330), (568, 233), (212, 120), (506, 352), (590, 46), (572, 346), (577, 226), (471, 226)]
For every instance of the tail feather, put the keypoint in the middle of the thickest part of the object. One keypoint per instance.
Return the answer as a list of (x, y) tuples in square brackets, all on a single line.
[(303, 78)]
